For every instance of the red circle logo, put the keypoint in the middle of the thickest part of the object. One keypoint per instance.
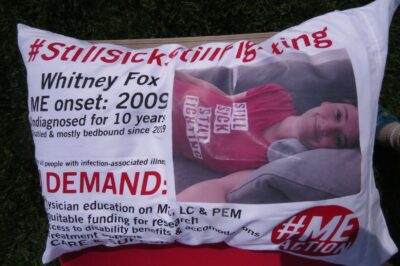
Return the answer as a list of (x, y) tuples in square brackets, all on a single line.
[(318, 231)]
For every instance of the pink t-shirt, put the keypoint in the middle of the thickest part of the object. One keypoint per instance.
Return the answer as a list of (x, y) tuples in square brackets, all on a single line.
[(222, 132)]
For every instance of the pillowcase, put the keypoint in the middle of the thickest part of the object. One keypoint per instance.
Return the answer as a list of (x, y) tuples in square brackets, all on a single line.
[(108, 120)]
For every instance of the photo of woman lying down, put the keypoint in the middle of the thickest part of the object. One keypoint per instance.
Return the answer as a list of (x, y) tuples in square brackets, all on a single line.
[(231, 134)]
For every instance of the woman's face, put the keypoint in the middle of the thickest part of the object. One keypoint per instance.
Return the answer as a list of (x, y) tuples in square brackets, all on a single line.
[(330, 125)]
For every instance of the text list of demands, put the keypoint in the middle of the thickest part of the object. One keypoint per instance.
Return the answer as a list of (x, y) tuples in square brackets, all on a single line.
[(73, 224), (141, 95)]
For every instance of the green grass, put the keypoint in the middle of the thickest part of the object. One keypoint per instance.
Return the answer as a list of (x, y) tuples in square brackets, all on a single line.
[(22, 217)]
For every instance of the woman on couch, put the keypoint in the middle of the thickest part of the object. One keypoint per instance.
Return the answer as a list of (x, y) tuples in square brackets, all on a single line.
[(231, 133)]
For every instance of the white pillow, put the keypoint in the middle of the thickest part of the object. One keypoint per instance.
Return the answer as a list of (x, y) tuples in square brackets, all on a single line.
[(101, 118)]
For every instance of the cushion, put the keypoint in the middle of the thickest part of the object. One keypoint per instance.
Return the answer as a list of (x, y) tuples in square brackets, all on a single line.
[(310, 175), (108, 120)]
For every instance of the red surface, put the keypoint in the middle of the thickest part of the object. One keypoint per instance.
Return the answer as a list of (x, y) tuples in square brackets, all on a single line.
[(180, 255)]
